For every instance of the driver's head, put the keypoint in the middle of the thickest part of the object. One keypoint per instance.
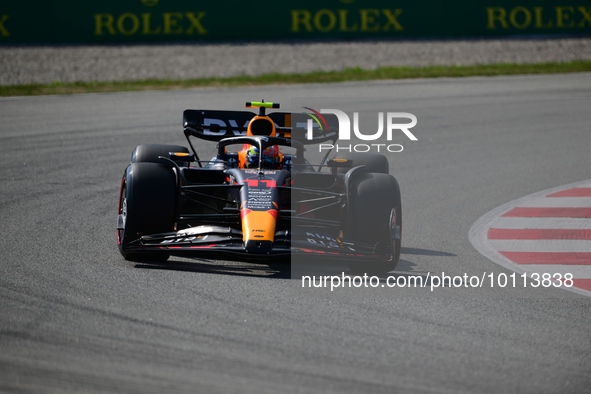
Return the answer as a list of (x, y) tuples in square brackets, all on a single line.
[(271, 158)]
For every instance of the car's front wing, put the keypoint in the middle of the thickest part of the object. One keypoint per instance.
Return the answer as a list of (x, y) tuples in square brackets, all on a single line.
[(227, 243)]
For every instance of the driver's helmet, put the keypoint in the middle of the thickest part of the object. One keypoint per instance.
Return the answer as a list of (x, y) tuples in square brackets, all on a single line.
[(271, 158)]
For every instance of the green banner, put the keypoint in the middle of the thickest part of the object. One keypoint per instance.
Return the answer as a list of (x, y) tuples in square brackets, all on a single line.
[(136, 21)]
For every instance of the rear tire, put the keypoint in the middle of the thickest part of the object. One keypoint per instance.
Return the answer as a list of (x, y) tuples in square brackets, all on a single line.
[(149, 153), (147, 203), (373, 162), (373, 198)]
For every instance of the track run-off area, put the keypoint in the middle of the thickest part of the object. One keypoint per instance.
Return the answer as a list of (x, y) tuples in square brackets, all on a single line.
[(76, 317)]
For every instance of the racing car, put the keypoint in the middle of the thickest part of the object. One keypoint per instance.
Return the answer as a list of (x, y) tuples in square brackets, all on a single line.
[(258, 198)]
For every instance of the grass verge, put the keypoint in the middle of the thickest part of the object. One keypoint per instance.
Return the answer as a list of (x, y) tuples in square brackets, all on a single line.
[(351, 74)]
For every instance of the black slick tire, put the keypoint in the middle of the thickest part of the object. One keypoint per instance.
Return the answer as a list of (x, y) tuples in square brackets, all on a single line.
[(373, 198), (373, 162), (147, 203), (149, 153)]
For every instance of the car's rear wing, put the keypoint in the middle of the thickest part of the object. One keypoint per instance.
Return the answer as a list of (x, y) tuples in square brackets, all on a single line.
[(215, 125)]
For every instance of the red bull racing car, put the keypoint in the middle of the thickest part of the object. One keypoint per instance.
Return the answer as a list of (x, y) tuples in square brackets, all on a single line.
[(258, 199)]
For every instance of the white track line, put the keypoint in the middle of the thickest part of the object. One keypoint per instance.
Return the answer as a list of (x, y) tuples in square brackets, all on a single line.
[(577, 271), (543, 223), (558, 202), (541, 245)]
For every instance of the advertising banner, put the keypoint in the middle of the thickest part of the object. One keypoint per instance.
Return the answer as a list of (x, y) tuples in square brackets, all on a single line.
[(140, 21)]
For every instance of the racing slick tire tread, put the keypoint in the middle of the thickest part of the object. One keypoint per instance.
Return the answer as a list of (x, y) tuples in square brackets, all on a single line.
[(150, 193), (373, 198)]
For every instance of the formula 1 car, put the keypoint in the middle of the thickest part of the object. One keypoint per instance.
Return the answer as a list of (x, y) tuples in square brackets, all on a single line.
[(252, 202)]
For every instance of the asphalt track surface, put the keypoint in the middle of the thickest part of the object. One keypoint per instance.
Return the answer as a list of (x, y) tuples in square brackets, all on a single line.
[(76, 317)]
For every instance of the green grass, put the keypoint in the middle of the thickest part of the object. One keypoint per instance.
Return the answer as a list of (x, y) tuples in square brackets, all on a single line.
[(351, 74)]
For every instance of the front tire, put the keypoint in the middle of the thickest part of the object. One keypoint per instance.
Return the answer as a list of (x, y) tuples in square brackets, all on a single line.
[(373, 162), (374, 198), (146, 206)]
